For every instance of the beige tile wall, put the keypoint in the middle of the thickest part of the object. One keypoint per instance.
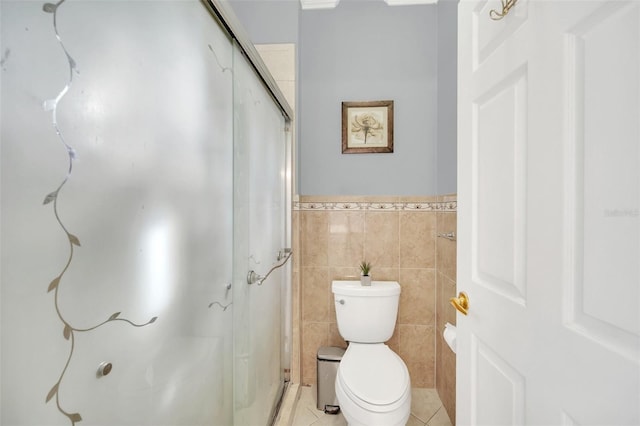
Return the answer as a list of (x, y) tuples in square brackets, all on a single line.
[(398, 236), (446, 288)]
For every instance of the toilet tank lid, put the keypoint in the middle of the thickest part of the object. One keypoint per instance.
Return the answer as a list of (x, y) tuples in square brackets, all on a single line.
[(376, 289)]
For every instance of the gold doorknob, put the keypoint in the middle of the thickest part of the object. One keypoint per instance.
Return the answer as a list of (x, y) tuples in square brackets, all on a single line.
[(461, 303)]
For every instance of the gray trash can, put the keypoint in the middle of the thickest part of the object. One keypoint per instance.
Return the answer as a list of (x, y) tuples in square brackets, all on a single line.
[(328, 360)]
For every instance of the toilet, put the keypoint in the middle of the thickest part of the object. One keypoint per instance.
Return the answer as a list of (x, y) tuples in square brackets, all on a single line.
[(372, 382)]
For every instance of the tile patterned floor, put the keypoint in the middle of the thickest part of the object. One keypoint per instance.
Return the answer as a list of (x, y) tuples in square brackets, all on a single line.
[(426, 410)]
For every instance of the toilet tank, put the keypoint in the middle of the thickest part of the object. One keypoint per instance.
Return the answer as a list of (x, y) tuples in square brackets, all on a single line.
[(366, 314)]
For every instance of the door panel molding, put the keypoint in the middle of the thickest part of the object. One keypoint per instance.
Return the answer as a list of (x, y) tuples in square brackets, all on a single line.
[(603, 182), (499, 203), (506, 403)]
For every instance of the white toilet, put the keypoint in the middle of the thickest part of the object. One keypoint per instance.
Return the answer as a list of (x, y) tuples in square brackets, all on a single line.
[(372, 383)]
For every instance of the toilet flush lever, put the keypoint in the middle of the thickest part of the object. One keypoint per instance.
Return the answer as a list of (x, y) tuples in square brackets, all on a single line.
[(341, 301), (461, 303)]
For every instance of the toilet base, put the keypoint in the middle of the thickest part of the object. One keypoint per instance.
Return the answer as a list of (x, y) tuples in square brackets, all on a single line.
[(355, 415)]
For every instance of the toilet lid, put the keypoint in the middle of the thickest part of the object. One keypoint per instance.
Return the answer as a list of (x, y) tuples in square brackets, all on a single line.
[(374, 373)]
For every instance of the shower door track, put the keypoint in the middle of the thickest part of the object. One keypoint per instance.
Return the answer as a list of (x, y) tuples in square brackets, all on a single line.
[(230, 22)]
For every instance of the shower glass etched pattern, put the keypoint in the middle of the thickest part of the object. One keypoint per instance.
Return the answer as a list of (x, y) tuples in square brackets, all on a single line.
[(117, 215)]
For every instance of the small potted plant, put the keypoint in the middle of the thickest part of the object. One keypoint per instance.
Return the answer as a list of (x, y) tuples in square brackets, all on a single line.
[(365, 278)]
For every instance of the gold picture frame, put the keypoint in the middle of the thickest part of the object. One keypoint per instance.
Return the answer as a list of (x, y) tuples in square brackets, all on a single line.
[(367, 127)]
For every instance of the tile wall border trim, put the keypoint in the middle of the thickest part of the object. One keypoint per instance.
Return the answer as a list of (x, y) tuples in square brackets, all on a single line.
[(435, 206)]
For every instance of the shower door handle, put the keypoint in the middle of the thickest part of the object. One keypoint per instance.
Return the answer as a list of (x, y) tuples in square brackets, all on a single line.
[(104, 369), (283, 256), (253, 277)]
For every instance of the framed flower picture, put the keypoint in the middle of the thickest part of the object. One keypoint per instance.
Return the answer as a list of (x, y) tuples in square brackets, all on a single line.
[(367, 127)]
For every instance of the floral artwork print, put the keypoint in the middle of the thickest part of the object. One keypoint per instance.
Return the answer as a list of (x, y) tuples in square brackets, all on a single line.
[(367, 127)]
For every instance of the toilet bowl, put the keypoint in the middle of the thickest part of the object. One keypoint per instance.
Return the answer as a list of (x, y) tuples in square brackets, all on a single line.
[(372, 386)]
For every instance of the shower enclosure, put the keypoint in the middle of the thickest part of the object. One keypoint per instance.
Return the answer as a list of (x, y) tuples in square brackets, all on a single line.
[(144, 173)]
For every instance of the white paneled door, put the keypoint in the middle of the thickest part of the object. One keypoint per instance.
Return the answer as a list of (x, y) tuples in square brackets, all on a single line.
[(548, 213)]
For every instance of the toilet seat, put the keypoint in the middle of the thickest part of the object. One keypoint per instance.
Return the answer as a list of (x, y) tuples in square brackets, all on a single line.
[(374, 377)]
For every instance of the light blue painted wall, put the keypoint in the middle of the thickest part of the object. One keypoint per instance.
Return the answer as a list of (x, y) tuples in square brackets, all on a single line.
[(447, 96), (268, 21), (361, 51), (366, 50)]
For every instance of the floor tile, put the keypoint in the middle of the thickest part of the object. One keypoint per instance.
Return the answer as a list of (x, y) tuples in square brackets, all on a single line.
[(308, 414), (426, 409), (424, 403), (331, 420), (414, 421), (305, 416), (440, 418)]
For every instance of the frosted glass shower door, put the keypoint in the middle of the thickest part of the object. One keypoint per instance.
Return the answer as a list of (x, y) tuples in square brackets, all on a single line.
[(116, 214), (259, 234)]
